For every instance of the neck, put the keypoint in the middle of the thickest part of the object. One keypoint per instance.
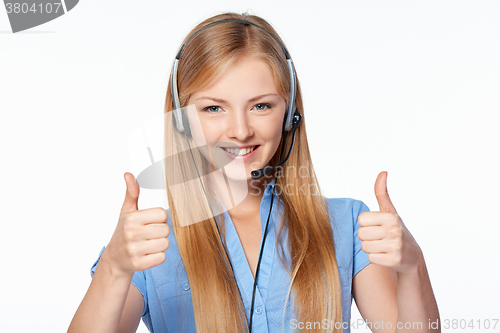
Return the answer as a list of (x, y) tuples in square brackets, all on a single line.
[(242, 198)]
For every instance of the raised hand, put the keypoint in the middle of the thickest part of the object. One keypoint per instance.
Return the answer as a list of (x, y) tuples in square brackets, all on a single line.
[(384, 236), (140, 237)]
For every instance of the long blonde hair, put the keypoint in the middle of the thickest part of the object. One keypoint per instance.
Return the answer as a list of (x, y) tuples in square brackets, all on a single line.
[(314, 273)]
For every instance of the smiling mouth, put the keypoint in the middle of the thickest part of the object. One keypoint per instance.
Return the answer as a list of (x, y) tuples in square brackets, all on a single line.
[(240, 152)]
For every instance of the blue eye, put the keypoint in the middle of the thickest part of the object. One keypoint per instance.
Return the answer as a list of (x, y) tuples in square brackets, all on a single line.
[(212, 109), (262, 106), (216, 108)]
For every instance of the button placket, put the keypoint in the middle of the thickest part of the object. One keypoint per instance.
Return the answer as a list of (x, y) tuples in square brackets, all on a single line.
[(260, 323)]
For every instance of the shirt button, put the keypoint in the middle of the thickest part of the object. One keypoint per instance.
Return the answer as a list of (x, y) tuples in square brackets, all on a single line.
[(186, 287), (258, 310)]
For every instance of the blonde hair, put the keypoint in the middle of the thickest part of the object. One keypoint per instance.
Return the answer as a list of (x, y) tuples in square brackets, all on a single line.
[(314, 273)]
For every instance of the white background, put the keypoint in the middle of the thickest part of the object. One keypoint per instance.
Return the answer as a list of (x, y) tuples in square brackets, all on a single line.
[(407, 87)]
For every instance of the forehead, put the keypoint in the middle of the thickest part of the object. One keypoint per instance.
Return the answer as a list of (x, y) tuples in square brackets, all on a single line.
[(246, 77)]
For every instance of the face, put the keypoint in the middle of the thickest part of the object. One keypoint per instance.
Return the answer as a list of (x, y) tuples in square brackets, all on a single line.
[(240, 117)]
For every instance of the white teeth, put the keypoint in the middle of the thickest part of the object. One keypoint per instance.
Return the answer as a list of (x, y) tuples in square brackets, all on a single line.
[(240, 152)]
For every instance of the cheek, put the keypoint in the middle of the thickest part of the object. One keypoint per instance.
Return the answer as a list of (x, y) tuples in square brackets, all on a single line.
[(271, 134), (199, 136), (276, 137), (209, 132), (275, 126), (201, 131)]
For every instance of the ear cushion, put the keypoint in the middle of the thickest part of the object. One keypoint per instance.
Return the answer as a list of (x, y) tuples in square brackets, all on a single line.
[(185, 123), (284, 121), (286, 116)]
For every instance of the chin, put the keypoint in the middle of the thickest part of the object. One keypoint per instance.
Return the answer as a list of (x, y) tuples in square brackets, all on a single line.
[(237, 171)]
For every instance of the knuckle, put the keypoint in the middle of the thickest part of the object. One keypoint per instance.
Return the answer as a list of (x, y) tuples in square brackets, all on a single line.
[(362, 218), (129, 234), (126, 225), (132, 250), (161, 244), (156, 260), (166, 244), (129, 220), (136, 264), (397, 259), (361, 233), (162, 258), (370, 257), (397, 246), (393, 218), (395, 232), (160, 214), (164, 214)]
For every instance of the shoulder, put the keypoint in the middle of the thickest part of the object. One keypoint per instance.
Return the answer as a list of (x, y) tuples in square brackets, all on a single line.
[(344, 214), (345, 210)]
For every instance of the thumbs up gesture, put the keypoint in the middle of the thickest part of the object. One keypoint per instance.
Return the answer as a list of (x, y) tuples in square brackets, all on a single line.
[(140, 237), (384, 236)]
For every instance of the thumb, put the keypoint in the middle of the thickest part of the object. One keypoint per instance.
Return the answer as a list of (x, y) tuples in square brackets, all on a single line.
[(131, 195), (384, 202)]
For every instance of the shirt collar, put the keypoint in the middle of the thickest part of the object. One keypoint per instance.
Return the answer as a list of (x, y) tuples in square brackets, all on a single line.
[(266, 198), (266, 201), (269, 187)]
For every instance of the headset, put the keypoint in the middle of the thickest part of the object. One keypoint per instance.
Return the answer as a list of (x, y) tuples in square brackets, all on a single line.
[(291, 120)]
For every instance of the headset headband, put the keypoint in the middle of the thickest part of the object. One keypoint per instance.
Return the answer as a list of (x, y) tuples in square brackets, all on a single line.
[(287, 125)]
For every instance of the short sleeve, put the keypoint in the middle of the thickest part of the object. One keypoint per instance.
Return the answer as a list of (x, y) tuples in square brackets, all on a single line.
[(94, 266), (360, 257), (139, 281)]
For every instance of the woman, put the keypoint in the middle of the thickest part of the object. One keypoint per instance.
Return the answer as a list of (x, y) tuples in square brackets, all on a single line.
[(248, 253)]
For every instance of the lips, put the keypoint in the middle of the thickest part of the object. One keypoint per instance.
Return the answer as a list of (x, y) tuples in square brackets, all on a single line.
[(241, 154), (240, 151)]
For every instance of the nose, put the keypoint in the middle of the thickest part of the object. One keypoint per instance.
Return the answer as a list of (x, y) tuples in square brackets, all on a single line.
[(238, 126)]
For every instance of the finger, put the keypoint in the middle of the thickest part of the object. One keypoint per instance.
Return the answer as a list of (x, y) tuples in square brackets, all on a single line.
[(368, 219), (152, 216), (375, 246), (154, 230), (131, 195), (381, 259), (152, 260), (371, 233), (154, 246), (384, 202)]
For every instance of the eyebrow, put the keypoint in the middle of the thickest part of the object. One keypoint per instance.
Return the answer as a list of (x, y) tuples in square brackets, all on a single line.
[(218, 100)]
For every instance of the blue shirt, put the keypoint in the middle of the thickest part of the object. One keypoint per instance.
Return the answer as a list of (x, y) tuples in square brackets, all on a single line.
[(167, 296)]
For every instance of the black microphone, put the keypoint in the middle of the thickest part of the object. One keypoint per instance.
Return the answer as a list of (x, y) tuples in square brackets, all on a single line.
[(256, 174)]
